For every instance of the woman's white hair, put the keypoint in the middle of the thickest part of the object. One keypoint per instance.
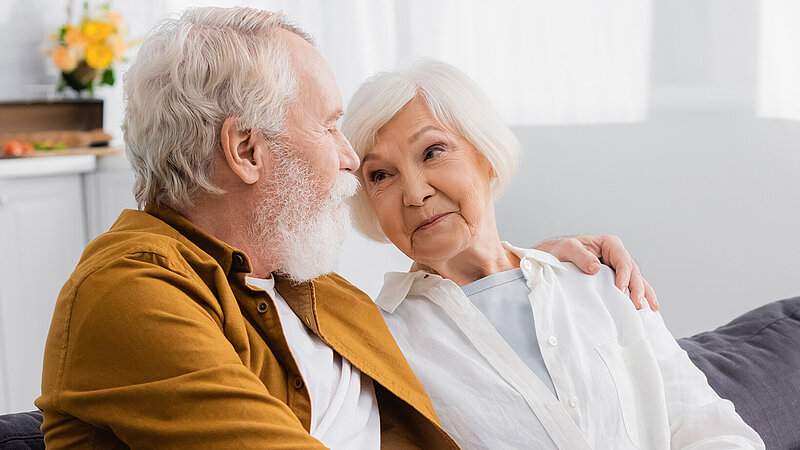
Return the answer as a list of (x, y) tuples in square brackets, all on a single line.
[(192, 72), (453, 99)]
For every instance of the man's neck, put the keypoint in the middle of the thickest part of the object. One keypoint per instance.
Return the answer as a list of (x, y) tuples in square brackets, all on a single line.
[(227, 221)]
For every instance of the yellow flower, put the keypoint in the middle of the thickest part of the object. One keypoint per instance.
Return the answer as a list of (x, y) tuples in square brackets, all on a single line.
[(96, 31), (63, 59), (118, 45), (99, 56), (74, 38)]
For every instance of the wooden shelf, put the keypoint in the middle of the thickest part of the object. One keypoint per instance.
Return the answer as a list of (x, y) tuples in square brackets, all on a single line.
[(97, 151)]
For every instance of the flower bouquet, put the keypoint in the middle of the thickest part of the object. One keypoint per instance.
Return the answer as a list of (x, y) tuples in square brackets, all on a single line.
[(85, 52)]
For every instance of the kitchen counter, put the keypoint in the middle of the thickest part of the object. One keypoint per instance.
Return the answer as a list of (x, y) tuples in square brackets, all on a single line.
[(55, 162)]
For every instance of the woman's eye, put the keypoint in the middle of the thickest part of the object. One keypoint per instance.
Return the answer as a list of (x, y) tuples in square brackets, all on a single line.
[(377, 176), (432, 152)]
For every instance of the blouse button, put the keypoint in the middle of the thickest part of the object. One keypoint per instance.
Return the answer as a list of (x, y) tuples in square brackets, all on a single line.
[(573, 401), (553, 341), (526, 264), (263, 307)]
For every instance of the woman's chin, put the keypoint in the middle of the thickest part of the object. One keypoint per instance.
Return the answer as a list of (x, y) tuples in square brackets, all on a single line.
[(431, 247)]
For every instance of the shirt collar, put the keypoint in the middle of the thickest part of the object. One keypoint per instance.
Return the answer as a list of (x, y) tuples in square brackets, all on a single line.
[(228, 257), (395, 288), (538, 256), (398, 285), (298, 295)]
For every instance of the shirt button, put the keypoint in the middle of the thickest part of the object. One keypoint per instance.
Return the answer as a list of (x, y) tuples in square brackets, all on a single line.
[(298, 382), (238, 260), (526, 264), (573, 401), (553, 341), (263, 307)]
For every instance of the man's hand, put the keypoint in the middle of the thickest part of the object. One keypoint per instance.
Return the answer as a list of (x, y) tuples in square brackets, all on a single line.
[(588, 252)]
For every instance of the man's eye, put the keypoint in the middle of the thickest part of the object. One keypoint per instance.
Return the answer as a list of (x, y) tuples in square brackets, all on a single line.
[(377, 176)]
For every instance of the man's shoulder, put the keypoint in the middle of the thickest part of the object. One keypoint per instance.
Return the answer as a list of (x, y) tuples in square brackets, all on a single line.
[(137, 240), (137, 232), (335, 283)]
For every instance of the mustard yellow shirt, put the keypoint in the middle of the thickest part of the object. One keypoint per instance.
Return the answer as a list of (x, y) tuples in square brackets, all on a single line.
[(157, 342)]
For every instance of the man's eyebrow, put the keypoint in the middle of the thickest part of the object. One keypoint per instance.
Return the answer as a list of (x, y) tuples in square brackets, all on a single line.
[(336, 115), (419, 133)]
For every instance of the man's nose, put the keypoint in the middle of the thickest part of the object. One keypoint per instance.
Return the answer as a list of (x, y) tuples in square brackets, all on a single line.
[(416, 189), (348, 160)]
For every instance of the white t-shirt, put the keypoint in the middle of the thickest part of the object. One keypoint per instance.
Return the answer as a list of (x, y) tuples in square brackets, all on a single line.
[(344, 409)]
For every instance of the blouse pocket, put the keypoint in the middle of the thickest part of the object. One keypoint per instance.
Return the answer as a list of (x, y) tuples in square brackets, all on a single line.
[(640, 390)]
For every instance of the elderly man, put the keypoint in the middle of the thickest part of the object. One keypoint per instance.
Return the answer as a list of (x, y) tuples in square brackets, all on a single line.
[(205, 320)]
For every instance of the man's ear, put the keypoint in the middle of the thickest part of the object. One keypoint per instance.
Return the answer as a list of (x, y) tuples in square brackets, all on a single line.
[(244, 151)]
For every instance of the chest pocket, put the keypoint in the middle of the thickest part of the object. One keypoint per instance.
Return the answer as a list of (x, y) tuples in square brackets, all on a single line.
[(640, 390)]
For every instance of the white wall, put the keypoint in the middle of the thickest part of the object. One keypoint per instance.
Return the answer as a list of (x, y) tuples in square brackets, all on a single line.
[(704, 194)]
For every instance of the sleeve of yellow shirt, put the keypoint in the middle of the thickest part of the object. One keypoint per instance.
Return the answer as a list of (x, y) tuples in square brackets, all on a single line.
[(137, 348)]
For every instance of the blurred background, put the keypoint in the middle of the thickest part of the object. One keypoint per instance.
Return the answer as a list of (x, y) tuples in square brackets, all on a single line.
[(670, 123)]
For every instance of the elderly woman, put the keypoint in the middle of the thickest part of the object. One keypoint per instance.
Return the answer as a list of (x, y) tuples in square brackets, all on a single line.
[(514, 348)]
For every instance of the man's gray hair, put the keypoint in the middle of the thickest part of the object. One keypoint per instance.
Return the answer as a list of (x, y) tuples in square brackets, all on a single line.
[(192, 72)]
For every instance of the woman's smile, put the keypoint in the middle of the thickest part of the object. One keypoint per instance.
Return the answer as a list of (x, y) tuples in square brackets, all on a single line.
[(431, 222)]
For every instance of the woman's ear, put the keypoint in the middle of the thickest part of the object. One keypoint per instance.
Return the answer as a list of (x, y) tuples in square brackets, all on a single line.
[(244, 151)]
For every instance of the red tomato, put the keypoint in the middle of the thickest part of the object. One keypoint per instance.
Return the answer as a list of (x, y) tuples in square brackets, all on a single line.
[(27, 148), (13, 148)]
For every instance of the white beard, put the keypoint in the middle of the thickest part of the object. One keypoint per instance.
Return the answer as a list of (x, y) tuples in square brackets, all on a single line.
[(298, 224)]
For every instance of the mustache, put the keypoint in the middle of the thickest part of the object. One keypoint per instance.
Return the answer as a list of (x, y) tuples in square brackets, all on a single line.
[(346, 186)]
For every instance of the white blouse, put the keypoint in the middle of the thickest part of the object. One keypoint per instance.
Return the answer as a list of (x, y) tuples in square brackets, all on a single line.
[(621, 378)]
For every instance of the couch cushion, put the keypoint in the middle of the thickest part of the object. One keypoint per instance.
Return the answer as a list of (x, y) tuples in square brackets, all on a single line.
[(20, 431), (754, 361)]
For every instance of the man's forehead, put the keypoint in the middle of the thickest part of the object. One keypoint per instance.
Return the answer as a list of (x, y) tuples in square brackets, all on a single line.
[(314, 76), (302, 55)]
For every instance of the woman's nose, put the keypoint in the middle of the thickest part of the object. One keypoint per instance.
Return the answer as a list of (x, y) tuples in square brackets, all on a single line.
[(416, 190)]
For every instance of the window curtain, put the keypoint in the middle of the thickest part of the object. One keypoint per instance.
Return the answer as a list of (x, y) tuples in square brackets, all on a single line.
[(779, 60), (540, 61)]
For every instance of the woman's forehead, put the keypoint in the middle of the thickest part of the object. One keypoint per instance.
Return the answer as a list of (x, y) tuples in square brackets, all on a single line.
[(413, 115)]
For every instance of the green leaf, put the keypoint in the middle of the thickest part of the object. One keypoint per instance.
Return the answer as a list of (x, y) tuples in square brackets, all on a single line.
[(70, 79), (108, 77)]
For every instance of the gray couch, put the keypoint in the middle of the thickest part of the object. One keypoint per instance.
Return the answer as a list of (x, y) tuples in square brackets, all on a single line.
[(754, 361)]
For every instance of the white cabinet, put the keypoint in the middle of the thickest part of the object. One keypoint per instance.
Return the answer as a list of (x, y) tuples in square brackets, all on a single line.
[(42, 234), (109, 190), (47, 217)]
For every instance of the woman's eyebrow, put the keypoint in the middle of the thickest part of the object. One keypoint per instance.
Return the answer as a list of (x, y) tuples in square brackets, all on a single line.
[(367, 157), (419, 133)]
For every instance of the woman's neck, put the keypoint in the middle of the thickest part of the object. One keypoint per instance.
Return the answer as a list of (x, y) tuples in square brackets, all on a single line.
[(484, 257)]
